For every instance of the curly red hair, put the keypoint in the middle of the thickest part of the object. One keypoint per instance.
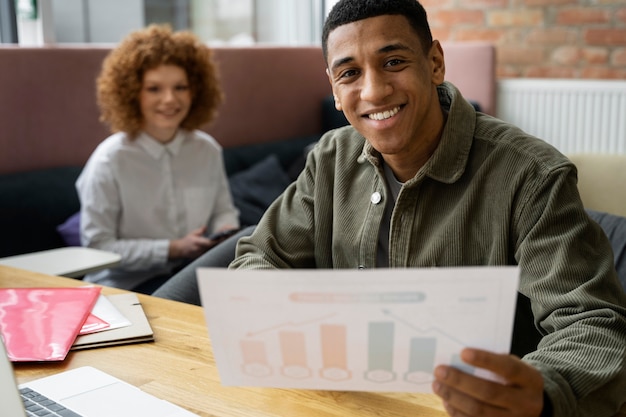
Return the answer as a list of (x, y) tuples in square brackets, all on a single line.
[(120, 80)]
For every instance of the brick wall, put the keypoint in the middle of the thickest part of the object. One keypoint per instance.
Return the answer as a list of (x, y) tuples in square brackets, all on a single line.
[(540, 38)]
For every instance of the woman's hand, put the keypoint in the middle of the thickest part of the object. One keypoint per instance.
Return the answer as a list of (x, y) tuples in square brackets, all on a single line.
[(520, 393), (190, 246)]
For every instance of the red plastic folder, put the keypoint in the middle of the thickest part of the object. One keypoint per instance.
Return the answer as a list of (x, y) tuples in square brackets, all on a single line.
[(41, 324)]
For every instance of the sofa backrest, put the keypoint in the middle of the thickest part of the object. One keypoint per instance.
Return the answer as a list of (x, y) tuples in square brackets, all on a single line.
[(49, 116), (601, 181), (471, 66)]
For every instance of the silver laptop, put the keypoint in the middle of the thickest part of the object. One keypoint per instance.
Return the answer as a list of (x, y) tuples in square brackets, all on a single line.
[(80, 392)]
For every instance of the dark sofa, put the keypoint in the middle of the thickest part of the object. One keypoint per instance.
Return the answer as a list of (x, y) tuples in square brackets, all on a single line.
[(35, 203)]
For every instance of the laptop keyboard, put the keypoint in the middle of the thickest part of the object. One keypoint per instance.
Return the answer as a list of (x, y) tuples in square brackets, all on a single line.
[(37, 405)]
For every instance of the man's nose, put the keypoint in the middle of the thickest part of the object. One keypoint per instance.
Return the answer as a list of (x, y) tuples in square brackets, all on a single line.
[(375, 86)]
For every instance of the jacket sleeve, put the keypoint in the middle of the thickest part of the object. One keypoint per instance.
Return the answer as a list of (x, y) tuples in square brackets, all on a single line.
[(278, 243), (578, 304)]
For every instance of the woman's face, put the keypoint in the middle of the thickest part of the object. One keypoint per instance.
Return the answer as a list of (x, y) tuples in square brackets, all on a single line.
[(165, 100)]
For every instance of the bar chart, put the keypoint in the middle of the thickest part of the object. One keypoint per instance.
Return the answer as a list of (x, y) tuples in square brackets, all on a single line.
[(323, 352), (383, 336)]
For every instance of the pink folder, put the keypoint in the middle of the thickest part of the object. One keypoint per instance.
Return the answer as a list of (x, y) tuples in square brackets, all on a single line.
[(41, 324)]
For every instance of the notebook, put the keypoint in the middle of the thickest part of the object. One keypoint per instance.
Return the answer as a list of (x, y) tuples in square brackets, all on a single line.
[(86, 391), (138, 331)]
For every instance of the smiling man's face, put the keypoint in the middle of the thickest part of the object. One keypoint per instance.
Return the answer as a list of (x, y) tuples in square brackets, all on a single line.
[(385, 83)]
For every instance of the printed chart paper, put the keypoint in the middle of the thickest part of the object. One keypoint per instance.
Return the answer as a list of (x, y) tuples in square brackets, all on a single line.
[(354, 330)]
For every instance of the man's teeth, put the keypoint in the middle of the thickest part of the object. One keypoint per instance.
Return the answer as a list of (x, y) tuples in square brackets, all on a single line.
[(384, 115)]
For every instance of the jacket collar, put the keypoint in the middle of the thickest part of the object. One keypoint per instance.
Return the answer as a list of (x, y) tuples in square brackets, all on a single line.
[(449, 160)]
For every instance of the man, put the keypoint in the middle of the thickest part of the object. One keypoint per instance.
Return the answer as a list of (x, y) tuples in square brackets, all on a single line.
[(420, 179)]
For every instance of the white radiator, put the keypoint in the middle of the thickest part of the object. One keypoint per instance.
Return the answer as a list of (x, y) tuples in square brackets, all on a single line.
[(573, 115)]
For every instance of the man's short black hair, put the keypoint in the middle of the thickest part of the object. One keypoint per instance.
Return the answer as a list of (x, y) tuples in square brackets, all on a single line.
[(349, 11)]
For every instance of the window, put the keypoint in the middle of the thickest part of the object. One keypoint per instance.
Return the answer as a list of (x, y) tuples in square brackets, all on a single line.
[(287, 22)]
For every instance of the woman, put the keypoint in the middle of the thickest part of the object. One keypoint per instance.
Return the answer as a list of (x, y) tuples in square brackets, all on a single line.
[(153, 189)]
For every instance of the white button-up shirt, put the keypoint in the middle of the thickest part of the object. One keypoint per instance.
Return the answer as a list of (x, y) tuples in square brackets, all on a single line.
[(137, 195)]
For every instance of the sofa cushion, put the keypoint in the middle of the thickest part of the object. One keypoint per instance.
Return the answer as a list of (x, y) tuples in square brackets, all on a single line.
[(601, 179), (615, 228), (70, 230), (240, 158), (255, 188)]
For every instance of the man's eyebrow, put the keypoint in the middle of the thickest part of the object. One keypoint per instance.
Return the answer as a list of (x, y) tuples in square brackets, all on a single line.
[(385, 49), (395, 47), (339, 62)]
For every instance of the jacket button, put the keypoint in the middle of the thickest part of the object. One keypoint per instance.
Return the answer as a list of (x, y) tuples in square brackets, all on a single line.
[(376, 197)]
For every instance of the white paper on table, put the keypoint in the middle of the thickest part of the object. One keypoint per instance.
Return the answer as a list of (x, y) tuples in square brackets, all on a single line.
[(354, 330), (105, 310)]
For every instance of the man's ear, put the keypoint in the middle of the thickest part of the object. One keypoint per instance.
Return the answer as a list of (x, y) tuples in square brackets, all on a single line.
[(438, 63), (337, 103)]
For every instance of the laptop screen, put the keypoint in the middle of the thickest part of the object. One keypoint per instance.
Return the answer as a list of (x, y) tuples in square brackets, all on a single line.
[(10, 399)]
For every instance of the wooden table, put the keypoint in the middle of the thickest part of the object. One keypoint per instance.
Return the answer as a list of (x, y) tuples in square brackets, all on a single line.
[(180, 368)]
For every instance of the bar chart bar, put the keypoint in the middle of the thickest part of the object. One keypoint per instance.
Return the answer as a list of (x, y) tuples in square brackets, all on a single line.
[(334, 352), (421, 359), (254, 358), (380, 352), (293, 350)]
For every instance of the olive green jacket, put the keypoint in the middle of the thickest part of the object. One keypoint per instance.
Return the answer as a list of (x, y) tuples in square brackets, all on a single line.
[(489, 195)]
